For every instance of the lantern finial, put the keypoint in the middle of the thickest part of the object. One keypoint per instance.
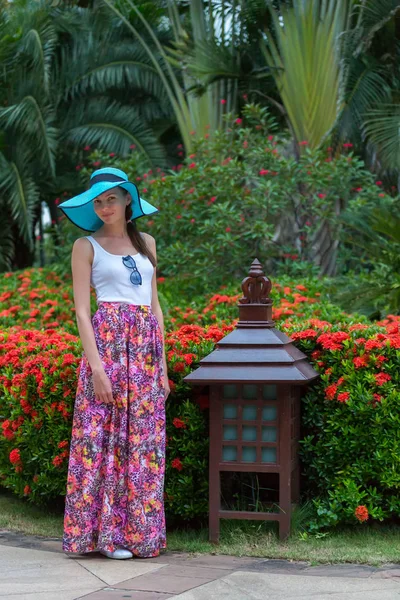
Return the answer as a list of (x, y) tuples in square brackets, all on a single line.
[(255, 307)]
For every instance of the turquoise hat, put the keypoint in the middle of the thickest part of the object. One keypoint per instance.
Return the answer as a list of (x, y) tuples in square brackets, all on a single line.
[(80, 209)]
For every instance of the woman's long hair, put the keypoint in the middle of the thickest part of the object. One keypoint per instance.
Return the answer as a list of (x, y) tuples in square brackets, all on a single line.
[(134, 234)]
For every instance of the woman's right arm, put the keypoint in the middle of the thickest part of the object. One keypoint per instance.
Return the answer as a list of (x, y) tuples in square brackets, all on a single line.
[(81, 264)]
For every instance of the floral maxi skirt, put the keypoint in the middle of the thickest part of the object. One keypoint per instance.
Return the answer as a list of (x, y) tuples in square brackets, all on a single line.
[(115, 486)]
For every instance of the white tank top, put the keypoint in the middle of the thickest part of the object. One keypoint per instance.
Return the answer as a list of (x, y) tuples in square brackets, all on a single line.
[(111, 278)]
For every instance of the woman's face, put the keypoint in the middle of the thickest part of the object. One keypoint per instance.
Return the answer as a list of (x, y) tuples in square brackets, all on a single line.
[(110, 206)]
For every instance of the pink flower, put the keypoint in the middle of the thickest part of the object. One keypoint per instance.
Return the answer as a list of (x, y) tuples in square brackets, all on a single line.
[(112, 154), (228, 229), (192, 165), (263, 172), (304, 143), (239, 121), (87, 148), (378, 182), (321, 196), (223, 101), (179, 216), (132, 146)]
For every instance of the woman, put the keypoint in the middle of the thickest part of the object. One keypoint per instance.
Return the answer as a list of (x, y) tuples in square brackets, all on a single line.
[(114, 500)]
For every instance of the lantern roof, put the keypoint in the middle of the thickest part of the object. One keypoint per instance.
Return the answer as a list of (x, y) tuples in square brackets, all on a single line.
[(255, 351)]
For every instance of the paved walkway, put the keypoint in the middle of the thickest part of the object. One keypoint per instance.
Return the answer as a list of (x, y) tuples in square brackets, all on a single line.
[(34, 568)]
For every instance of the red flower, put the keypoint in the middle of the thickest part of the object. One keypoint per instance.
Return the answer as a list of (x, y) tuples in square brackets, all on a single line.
[(378, 182), (321, 196), (192, 165), (263, 172), (348, 145), (27, 490), (343, 396), (223, 101), (238, 121), (179, 367), (15, 456), (307, 334), (303, 143), (176, 464), (330, 391), (361, 361), (178, 423), (361, 513), (381, 378), (333, 341), (57, 461)]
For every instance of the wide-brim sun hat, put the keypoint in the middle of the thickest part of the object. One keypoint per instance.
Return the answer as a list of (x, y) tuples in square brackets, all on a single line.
[(80, 209)]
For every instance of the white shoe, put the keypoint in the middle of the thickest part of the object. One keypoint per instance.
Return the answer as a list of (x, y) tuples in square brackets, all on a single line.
[(120, 553)]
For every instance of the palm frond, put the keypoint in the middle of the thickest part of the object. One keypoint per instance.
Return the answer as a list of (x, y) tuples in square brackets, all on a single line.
[(112, 126), (20, 193), (305, 64), (382, 127), (373, 16), (32, 122)]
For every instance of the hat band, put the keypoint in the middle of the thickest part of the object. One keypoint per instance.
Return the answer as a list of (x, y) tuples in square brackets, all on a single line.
[(106, 177)]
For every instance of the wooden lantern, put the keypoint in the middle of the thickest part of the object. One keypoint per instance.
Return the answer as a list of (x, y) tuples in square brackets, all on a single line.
[(254, 377)]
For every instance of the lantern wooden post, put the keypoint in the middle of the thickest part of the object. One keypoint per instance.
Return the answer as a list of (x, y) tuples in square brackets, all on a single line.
[(254, 375)]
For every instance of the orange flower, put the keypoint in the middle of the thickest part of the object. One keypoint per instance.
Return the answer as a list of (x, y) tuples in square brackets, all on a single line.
[(361, 513)]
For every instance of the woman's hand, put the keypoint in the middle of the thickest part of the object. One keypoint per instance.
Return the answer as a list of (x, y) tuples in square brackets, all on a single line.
[(102, 386), (166, 389)]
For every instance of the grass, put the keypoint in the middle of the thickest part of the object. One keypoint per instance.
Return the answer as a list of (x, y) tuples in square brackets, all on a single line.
[(364, 544)]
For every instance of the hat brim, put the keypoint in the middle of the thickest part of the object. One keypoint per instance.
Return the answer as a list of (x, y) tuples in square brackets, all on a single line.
[(80, 209)]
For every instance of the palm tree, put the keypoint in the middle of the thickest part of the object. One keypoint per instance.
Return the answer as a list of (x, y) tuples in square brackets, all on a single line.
[(211, 57), (375, 234), (69, 80)]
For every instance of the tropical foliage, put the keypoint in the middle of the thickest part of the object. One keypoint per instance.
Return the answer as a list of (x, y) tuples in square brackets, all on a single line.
[(62, 90)]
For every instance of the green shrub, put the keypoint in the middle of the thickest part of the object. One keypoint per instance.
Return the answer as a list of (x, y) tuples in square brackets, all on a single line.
[(241, 195)]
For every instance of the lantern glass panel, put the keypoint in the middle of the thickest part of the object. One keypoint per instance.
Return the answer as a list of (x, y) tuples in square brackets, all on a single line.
[(268, 455), (230, 390), (249, 413), (230, 411), (269, 413), (229, 453), (249, 454), (230, 432), (268, 434), (249, 433), (269, 392), (249, 391)]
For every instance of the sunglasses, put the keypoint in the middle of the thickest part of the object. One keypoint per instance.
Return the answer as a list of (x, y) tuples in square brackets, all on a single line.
[(135, 276)]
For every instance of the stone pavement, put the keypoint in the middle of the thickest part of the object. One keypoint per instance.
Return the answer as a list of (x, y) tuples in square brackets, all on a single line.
[(33, 568)]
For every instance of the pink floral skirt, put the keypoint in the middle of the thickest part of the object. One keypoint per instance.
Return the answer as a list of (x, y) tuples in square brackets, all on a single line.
[(115, 486)]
